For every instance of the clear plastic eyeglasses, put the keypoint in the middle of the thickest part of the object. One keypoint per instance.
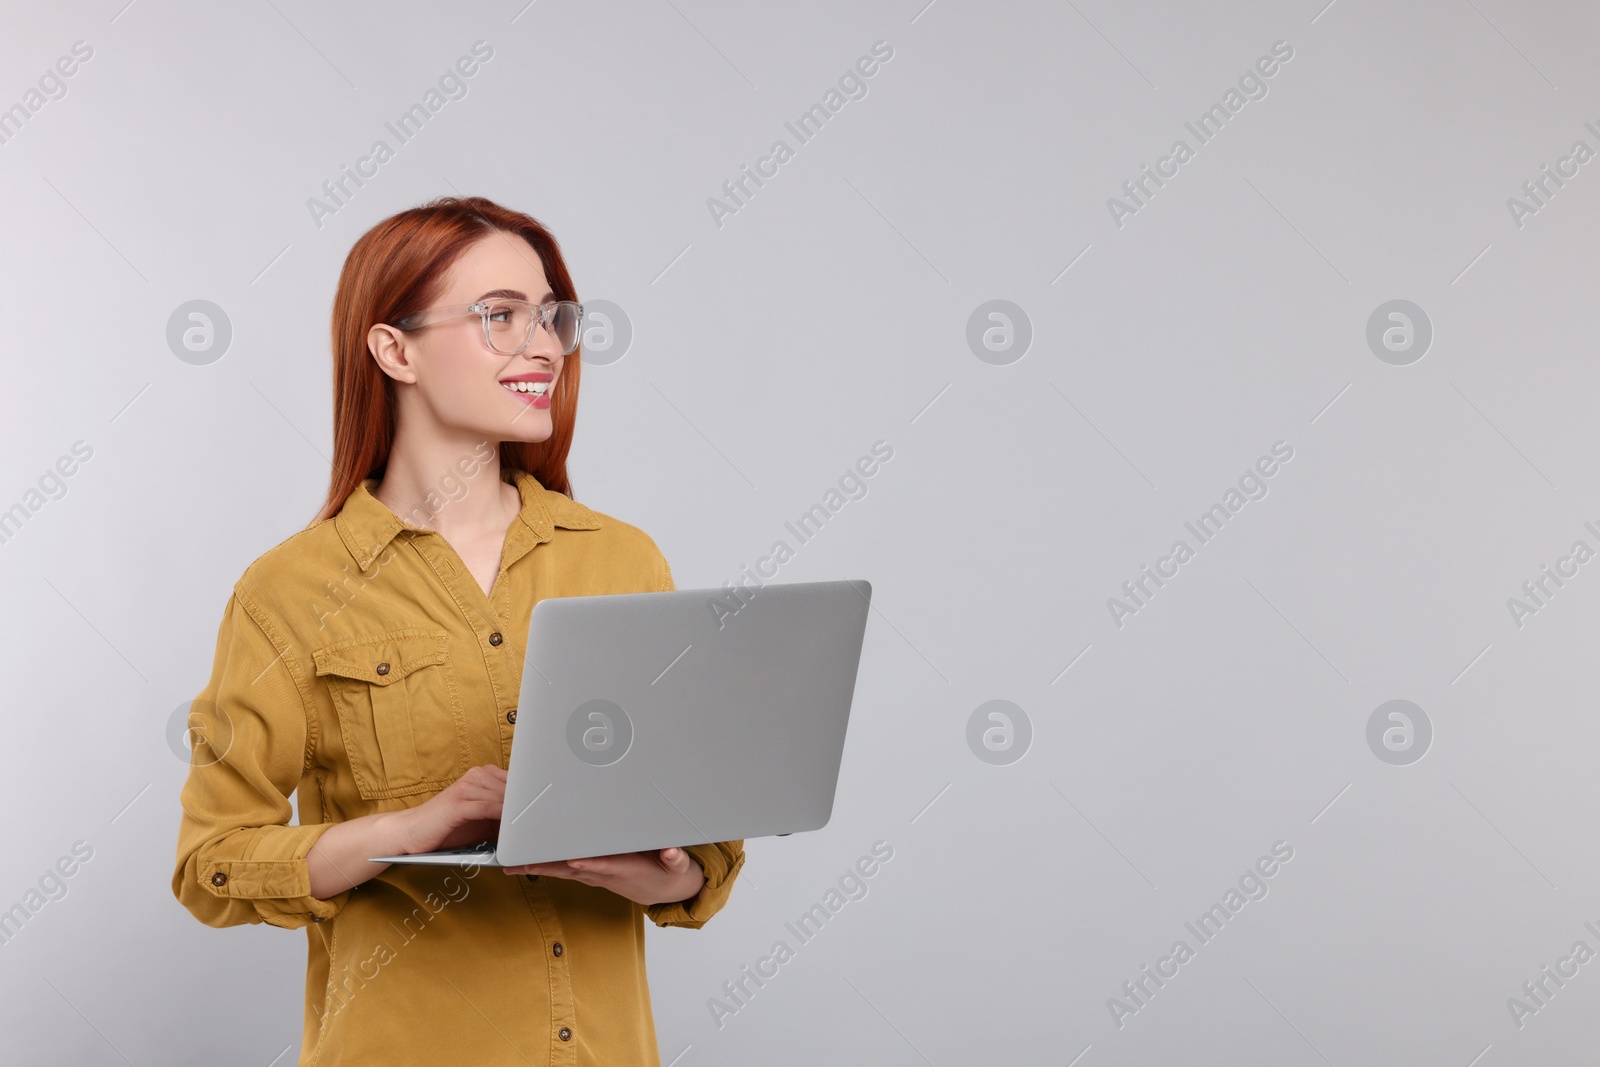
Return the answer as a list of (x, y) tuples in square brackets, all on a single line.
[(507, 323)]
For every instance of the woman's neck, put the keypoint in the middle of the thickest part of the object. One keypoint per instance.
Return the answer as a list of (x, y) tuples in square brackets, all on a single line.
[(448, 487)]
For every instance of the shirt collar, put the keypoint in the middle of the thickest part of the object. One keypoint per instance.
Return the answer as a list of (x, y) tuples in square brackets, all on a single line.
[(366, 525)]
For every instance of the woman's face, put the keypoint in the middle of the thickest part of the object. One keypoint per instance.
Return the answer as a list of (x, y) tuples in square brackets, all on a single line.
[(463, 384)]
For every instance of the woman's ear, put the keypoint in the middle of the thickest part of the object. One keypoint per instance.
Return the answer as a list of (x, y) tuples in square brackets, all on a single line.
[(387, 346)]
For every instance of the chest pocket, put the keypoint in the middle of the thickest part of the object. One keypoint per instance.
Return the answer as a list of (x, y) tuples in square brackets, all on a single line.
[(399, 707)]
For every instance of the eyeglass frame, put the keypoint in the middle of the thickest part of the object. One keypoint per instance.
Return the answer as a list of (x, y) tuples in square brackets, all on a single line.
[(543, 315)]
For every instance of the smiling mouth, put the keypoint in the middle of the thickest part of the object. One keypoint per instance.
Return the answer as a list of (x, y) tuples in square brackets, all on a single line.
[(534, 388)]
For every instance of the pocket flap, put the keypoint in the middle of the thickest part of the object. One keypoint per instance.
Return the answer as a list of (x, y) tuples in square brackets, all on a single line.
[(383, 658)]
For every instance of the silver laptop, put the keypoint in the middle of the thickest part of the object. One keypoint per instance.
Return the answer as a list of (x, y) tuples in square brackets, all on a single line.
[(651, 720)]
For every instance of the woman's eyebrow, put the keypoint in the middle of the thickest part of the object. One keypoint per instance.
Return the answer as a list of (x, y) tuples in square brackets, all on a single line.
[(514, 294)]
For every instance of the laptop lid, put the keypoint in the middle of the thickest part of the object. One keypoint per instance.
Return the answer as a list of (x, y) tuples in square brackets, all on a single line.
[(648, 720)]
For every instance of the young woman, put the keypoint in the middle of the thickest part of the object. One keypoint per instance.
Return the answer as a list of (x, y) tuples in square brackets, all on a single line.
[(371, 663)]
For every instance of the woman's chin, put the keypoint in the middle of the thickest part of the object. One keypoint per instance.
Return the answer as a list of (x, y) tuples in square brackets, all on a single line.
[(529, 429), (530, 424)]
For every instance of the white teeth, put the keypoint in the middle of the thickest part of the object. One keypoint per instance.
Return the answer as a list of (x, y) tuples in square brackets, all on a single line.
[(536, 388)]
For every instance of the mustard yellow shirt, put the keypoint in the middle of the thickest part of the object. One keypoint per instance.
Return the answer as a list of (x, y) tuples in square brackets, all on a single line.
[(360, 665)]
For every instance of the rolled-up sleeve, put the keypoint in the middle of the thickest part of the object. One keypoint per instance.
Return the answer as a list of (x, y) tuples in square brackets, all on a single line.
[(721, 863), (239, 861)]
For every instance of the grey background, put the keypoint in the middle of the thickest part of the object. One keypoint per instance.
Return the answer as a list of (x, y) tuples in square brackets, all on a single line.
[(767, 356)]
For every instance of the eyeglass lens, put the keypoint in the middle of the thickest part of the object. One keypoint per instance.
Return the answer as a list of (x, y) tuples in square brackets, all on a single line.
[(510, 323)]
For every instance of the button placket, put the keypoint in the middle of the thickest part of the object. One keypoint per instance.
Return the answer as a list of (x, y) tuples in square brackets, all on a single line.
[(497, 640), (500, 667), (484, 617), (563, 1004)]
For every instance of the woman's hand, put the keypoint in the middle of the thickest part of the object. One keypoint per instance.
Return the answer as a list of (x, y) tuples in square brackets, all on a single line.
[(464, 812), (468, 810), (643, 877)]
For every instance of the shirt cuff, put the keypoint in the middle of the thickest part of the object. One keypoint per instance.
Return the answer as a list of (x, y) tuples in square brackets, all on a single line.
[(721, 863), (273, 877)]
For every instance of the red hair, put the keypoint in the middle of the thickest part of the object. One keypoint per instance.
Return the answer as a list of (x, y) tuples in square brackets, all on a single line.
[(395, 269)]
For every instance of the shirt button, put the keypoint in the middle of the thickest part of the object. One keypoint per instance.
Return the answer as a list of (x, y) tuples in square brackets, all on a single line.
[(565, 1033), (383, 668), (556, 949), (219, 879), (495, 638), (511, 716)]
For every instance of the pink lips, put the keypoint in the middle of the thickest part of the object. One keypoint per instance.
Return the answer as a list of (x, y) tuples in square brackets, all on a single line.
[(528, 398)]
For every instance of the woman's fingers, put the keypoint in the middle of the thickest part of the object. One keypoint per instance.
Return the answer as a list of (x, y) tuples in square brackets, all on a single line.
[(556, 867), (598, 870)]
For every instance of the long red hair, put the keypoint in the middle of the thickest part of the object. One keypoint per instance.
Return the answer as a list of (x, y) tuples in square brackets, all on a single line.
[(398, 268)]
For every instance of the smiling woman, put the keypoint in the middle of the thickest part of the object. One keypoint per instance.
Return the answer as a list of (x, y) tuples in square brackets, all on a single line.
[(455, 324)]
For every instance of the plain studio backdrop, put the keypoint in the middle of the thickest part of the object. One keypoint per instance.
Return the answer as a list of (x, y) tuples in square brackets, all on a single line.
[(1340, 345)]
